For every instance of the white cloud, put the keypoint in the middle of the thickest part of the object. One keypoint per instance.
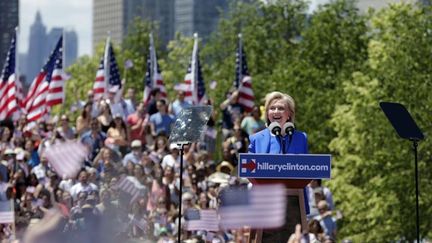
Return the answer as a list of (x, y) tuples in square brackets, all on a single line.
[(76, 14)]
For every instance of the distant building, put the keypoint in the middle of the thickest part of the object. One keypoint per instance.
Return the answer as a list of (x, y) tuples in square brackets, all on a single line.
[(22, 65), (364, 5), (71, 47), (115, 16), (9, 12), (108, 15), (70, 44), (51, 39), (41, 44), (199, 16), (161, 12), (37, 53)]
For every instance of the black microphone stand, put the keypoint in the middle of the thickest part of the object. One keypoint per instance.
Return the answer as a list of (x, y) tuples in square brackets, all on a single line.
[(415, 145), (181, 145)]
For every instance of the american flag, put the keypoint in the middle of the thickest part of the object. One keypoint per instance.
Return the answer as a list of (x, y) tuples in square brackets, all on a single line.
[(35, 102), (131, 186), (108, 74), (140, 223), (7, 214), (113, 71), (261, 207), (9, 82), (147, 82), (153, 78), (99, 84), (194, 86), (56, 94), (205, 219), (243, 81), (66, 158)]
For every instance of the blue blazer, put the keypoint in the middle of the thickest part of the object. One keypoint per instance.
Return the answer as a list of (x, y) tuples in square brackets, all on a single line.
[(266, 143)]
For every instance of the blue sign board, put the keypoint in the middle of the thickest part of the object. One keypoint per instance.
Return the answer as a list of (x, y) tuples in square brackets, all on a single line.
[(285, 166)]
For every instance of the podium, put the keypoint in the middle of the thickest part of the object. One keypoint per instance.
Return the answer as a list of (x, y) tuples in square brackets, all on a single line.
[(294, 171)]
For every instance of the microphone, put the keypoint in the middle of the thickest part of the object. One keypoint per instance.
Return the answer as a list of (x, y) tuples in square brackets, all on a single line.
[(289, 128), (275, 128)]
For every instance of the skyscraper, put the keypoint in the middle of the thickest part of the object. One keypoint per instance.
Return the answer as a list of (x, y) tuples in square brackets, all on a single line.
[(9, 12), (199, 16), (37, 52), (70, 46), (108, 15), (116, 16)]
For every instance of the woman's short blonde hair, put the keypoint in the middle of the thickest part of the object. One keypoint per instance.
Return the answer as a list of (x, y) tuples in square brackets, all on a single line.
[(288, 100)]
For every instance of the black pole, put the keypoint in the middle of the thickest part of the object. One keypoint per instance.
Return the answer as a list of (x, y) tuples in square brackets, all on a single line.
[(415, 145), (180, 190)]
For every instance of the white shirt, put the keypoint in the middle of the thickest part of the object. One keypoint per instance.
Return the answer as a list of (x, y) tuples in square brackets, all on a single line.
[(79, 187), (40, 171)]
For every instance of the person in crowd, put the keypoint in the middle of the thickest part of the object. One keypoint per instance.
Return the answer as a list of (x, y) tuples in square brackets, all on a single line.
[(135, 155), (315, 193), (253, 123), (232, 112), (173, 158), (33, 156), (138, 123), (155, 95), (103, 161), (84, 119), (161, 121), (159, 192), (105, 117), (42, 169), (117, 104), (160, 148), (93, 139), (326, 220), (65, 131), (130, 101), (239, 141), (118, 133), (83, 185), (179, 104), (6, 139)]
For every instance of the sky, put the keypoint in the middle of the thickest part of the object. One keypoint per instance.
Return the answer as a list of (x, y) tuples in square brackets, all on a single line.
[(69, 14)]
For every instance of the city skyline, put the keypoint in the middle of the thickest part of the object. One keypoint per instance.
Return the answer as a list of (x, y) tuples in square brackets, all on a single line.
[(78, 18)]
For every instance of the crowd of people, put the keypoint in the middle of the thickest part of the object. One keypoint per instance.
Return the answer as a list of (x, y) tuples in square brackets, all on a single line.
[(125, 137)]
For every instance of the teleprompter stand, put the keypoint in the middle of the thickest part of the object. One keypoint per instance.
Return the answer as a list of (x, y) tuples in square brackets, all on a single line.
[(187, 129), (406, 128)]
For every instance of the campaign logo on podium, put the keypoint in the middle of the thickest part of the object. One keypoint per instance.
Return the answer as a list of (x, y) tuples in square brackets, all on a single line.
[(285, 166), (248, 166)]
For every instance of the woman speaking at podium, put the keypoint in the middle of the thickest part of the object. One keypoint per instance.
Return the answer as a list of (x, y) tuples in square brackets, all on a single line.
[(280, 137)]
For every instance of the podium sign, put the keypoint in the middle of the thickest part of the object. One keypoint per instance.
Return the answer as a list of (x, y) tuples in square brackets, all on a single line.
[(285, 166)]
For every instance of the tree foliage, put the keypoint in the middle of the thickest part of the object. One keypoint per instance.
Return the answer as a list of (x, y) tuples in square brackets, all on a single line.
[(374, 170)]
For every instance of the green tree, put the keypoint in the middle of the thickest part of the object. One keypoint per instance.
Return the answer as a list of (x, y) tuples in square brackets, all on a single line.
[(373, 174), (175, 65), (135, 47)]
